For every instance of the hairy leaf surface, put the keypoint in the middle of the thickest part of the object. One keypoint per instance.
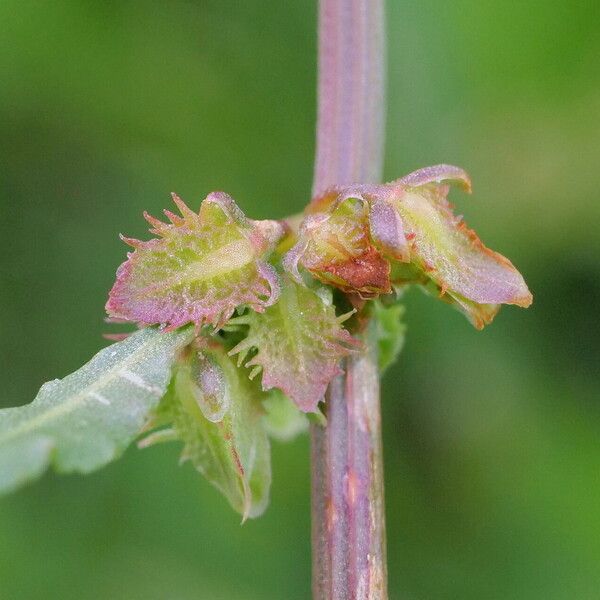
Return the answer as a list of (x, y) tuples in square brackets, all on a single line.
[(87, 419)]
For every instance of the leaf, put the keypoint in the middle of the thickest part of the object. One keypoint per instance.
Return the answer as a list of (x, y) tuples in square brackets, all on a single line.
[(283, 421), (299, 343), (389, 331), (201, 268), (87, 419), (228, 446)]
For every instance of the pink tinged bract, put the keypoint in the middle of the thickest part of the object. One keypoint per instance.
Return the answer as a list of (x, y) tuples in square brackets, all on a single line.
[(200, 268), (454, 258), (299, 342), (411, 223)]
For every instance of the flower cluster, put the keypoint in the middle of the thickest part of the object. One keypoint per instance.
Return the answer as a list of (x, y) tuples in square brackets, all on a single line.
[(369, 239), (264, 293)]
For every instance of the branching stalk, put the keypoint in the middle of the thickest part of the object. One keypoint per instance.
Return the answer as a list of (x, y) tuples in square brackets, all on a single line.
[(348, 531)]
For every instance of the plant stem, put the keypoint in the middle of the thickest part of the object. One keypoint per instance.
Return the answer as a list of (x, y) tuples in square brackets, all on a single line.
[(348, 522), (351, 94), (349, 560)]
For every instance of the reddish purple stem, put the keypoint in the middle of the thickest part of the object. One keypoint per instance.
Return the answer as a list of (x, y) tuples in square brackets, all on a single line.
[(347, 469), (351, 103), (349, 561)]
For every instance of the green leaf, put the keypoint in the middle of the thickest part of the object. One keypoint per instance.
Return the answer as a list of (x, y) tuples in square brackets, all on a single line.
[(299, 342), (283, 420), (216, 411), (87, 419), (389, 331)]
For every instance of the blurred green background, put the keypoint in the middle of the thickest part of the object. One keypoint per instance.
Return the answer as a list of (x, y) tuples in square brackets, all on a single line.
[(492, 439)]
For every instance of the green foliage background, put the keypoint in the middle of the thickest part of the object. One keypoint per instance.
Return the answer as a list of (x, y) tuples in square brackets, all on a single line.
[(492, 439)]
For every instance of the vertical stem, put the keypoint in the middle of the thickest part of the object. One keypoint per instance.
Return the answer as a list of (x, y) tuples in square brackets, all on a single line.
[(349, 559), (351, 94), (348, 531)]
